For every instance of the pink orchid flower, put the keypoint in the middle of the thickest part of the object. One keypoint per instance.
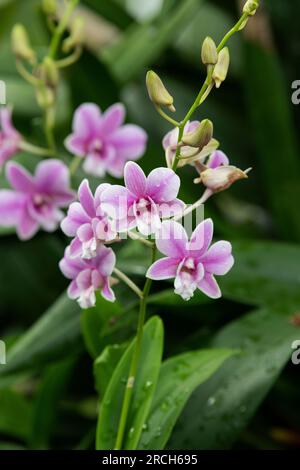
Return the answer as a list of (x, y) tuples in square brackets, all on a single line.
[(35, 201), (217, 159), (192, 263), (144, 200), (88, 223), (9, 136), (103, 139), (89, 275)]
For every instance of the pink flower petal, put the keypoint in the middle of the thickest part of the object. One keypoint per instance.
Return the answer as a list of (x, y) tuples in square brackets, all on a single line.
[(85, 232), (163, 185), (27, 226), (75, 248), (107, 292), (116, 201), (73, 290), (11, 207), (53, 178), (112, 119), (135, 179), (70, 267), (165, 268), (218, 259), (76, 145), (105, 261), (86, 198), (201, 238), (19, 178), (171, 209), (87, 120), (172, 240), (75, 218), (129, 141), (217, 159), (209, 286)]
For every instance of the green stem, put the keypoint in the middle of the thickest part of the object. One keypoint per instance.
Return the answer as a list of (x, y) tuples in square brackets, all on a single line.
[(35, 150), (70, 60), (168, 118), (59, 31), (205, 90), (129, 282), (49, 128), (74, 165), (134, 362)]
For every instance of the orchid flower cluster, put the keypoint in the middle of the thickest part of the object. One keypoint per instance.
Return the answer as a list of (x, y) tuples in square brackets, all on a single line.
[(146, 208)]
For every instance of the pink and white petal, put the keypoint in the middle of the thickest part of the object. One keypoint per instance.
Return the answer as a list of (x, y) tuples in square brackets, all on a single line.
[(75, 218), (135, 179), (171, 209), (163, 185), (94, 165), (87, 120), (53, 178), (172, 240), (75, 248), (217, 159), (86, 198), (201, 238), (218, 259), (51, 222), (129, 141), (70, 267), (19, 178), (73, 290), (170, 139), (6, 122), (112, 119), (11, 207), (27, 227), (107, 292), (85, 232), (84, 279), (76, 145), (99, 191), (165, 268), (116, 202), (105, 261), (209, 286)]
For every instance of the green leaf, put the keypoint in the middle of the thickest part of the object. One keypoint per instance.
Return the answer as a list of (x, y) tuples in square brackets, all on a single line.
[(263, 273), (220, 409), (105, 365), (46, 403), (178, 378), (93, 321), (55, 335), (15, 414), (145, 384), (275, 137)]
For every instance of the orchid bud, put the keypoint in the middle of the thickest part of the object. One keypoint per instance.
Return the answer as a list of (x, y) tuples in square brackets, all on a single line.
[(45, 97), (158, 93), (221, 68), (49, 73), (49, 7), (201, 136), (250, 7), (76, 37), (21, 44), (220, 178), (209, 53)]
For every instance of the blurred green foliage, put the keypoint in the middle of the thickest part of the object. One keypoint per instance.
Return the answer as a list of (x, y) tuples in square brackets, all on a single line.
[(43, 404)]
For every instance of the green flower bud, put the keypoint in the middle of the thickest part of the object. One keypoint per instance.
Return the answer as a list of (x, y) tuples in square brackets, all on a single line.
[(250, 7), (201, 136), (209, 53), (158, 94), (76, 37), (49, 7), (21, 44), (221, 68), (48, 73), (45, 97)]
